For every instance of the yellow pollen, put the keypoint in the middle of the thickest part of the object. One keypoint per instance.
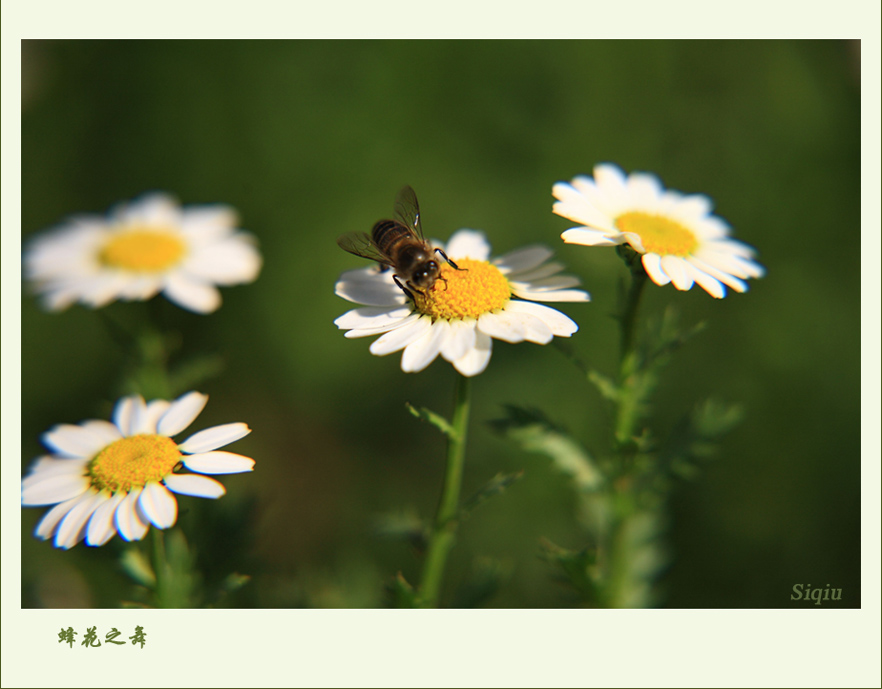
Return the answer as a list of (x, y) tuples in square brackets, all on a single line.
[(476, 288), (132, 462), (142, 250), (660, 235)]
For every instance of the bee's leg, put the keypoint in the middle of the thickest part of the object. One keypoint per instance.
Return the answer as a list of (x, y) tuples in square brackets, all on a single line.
[(455, 267), (404, 289), (445, 279)]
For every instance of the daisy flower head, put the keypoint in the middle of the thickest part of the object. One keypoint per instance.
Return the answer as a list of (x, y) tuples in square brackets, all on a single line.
[(140, 248), (473, 300), (104, 477), (680, 241)]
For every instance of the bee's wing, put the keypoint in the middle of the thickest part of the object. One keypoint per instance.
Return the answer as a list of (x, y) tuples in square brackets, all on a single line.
[(360, 244), (407, 211)]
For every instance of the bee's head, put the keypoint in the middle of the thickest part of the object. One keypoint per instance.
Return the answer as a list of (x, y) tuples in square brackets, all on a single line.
[(425, 275)]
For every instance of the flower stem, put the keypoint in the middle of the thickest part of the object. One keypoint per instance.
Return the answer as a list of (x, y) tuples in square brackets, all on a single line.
[(173, 566), (627, 409), (447, 518), (632, 534)]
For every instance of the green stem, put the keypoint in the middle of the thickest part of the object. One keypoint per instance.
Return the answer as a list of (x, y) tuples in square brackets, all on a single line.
[(447, 517), (627, 409), (629, 311), (627, 538), (160, 566)]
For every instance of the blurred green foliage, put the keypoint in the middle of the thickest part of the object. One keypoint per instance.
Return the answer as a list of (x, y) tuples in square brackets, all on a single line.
[(310, 139)]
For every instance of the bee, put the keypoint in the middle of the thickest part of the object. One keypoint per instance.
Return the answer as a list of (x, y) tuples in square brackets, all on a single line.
[(400, 245)]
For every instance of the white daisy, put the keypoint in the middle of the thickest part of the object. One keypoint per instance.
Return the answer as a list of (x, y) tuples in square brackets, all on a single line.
[(464, 309), (140, 248), (681, 242), (104, 477)]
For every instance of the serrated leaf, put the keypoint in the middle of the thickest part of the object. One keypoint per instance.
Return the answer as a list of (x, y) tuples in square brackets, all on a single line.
[(605, 385), (696, 436), (137, 566), (403, 526), (577, 566), (497, 485), (402, 594), (434, 419), (487, 577), (535, 433)]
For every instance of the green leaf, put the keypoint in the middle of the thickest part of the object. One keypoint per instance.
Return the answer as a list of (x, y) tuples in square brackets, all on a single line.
[(486, 579), (137, 566), (431, 417), (695, 438), (495, 486), (535, 433), (402, 594), (578, 567), (403, 526), (605, 385)]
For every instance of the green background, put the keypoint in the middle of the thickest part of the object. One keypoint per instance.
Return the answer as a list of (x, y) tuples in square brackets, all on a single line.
[(311, 139)]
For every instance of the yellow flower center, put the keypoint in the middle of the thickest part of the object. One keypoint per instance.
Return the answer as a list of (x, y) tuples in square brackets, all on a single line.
[(132, 462), (660, 235), (143, 250), (476, 288)]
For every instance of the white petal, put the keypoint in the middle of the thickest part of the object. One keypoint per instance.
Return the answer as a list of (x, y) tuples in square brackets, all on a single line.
[(127, 414), (610, 181), (208, 223), (214, 437), (158, 505), (151, 415), (47, 466), (232, 261), (370, 287), (549, 284), (526, 258), (579, 235), (369, 332), (725, 278), (560, 324), (543, 271), (711, 285), (372, 317), (105, 430), (49, 523), (68, 440), (652, 265), (468, 244), (72, 528), (535, 329), (218, 462), (194, 484), (100, 528), (502, 325), (422, 352), (476, 359), (181, 413), (154, 208), (55, 487), (191, 293), (644, 190), (574, 205), (674, 267), (459, 340), (127, 518), (557, 295), (401, 337)]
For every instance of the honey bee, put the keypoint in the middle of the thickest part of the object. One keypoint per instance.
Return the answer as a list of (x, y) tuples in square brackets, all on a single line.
[(400, 245)]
